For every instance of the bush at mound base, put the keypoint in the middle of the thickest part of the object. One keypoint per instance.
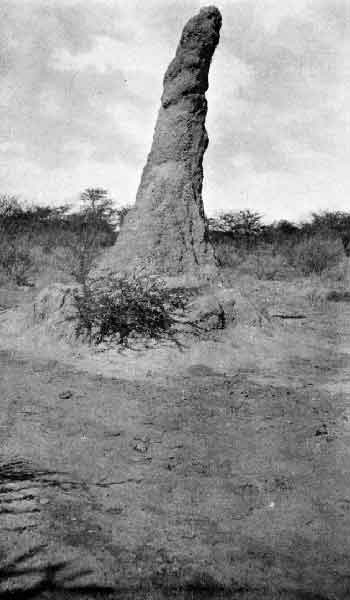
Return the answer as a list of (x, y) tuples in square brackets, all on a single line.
[(56, 310)]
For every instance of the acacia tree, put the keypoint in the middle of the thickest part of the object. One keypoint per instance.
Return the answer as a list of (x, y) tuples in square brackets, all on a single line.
[(9, 205), (15, 260), (334, 223), (94, 226), (98, 209), (97, 206), (243, 225)]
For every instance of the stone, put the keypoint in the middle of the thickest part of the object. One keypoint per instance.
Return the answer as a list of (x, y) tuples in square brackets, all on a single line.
[(249, 314), (55, 308), (65, 395), (55, 301), (219, 308), (206, 313), (166, 232), (213, 310)]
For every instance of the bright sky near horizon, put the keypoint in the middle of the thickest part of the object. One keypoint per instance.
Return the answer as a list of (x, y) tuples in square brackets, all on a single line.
[(81, 87)]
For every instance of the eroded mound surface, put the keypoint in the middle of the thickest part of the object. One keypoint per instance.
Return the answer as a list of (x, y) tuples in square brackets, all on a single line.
[(166, 232)]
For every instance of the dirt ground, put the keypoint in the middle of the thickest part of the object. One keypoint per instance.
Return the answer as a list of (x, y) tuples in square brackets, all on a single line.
[(227, 477)]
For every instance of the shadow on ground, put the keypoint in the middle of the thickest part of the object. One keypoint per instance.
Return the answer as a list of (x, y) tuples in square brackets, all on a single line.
[(51, 582), (46, 580)]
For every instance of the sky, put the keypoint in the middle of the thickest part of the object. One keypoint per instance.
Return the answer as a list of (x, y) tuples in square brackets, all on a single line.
[(81, 87)]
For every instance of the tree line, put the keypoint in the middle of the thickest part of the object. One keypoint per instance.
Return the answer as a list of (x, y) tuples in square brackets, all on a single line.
[(36, 237), (245, 228), (81, 232)]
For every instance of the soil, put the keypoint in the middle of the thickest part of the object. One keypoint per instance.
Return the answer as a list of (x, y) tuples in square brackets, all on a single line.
[(206, 482)]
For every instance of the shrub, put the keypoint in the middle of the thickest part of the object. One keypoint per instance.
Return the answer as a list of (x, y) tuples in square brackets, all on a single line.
[(331, 223), (264, 265), (316, 254), (16, 261), (114, 308), (227, 254), (338, 296)]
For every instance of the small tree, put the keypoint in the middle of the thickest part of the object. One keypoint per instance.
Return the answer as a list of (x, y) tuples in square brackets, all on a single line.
[(94, 227), (97, 206), (121, 214), (9, 206)]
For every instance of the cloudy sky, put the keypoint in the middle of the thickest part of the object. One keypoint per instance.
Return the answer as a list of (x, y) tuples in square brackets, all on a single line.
[(81, 84)]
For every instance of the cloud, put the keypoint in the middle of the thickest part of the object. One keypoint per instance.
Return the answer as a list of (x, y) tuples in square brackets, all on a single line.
[(282, 134), (45, 106), (295, 70), (81, 85)]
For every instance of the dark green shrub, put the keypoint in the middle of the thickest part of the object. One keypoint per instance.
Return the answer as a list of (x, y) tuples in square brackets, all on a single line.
[(338, 296), (16, 261), (264, 264), (316, 254), (113, 308), (331, 223), (227, 254)]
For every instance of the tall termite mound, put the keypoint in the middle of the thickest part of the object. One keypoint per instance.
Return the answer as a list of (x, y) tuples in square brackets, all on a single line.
[(166, 231)]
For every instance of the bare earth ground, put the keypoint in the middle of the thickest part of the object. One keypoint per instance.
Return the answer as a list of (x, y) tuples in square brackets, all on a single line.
[(224, 472)]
